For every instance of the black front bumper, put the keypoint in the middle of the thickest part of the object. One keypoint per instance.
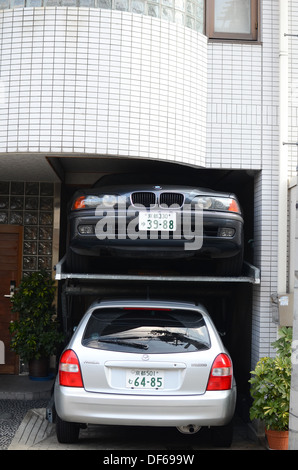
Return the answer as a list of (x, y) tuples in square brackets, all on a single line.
[(117, 241)]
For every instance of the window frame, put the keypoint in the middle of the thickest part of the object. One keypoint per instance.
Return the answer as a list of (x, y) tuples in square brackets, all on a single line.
[(252, 36)]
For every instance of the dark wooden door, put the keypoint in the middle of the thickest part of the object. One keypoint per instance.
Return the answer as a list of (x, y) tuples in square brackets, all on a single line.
[(11, 237)]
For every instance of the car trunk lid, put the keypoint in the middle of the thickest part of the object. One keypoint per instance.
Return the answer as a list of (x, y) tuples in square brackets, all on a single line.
[(145, 374)]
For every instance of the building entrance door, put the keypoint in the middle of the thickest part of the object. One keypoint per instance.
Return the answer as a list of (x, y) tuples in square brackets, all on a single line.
[(11, 238)]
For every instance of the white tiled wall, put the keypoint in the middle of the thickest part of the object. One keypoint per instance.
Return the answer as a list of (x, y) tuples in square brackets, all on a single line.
[(89, 81), (243, 132), (235, 108), (293, 87)]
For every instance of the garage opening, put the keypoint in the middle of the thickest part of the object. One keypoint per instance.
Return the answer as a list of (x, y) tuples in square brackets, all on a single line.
[(229, 303), (76, 173)]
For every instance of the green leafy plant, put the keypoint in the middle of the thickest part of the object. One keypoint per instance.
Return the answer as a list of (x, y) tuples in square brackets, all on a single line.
[(271, 383), (35, 334)]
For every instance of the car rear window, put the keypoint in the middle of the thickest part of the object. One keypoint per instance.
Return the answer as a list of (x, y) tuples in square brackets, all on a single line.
[(150, 330)]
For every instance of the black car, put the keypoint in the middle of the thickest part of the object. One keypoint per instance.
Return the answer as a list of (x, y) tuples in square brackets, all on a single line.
[(148, 220)]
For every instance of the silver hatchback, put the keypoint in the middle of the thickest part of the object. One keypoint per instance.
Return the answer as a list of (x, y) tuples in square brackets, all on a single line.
[(146, 363)]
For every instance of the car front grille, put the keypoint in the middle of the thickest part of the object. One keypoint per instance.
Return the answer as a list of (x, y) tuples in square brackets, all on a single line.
[(143, 198), (147, 199), (171, 198)]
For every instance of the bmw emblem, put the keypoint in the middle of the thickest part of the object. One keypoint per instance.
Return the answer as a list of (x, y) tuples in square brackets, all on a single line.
[(157, 187)]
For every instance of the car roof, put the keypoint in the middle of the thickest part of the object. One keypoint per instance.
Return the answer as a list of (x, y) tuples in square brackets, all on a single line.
[(133, 302)]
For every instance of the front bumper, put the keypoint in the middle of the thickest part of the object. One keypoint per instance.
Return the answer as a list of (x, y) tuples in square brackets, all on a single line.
[(214, 408), (206, 241)]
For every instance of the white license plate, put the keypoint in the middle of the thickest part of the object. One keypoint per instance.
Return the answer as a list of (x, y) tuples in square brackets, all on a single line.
[(141, 379), (157, 221)]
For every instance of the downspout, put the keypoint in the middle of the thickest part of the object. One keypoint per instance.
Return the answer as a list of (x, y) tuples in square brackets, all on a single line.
[(284, 84), (283, 149)]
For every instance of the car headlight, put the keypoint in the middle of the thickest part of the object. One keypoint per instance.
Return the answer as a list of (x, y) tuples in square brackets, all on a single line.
[(89, 202), (214, 203), (109, 200)]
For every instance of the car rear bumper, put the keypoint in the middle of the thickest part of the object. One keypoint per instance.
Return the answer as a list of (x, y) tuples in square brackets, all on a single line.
[(214, 408)]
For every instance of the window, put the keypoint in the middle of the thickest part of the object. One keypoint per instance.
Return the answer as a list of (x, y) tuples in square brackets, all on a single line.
[(146, 331), (232, 19)]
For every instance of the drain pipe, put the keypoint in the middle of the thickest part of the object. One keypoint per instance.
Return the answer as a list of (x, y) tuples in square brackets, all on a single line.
[(293, 411), (283, 149)]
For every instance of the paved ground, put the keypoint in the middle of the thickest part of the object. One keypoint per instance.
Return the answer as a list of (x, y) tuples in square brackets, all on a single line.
[(18, 395), (12, 413), (20, 387), (23, 427), (35, 433)]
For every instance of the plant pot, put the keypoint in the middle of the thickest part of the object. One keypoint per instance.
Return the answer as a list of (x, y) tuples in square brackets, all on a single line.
[(277, 440), (39, 367)]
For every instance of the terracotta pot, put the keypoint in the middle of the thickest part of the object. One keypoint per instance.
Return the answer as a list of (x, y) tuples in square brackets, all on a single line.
[(39, 367), (277, 440)]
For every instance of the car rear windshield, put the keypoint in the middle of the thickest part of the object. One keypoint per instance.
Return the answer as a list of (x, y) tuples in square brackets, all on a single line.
[(154, 331)]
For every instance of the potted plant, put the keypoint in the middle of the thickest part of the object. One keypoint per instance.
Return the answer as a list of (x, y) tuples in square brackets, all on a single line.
[(35, 334), (270, 390)]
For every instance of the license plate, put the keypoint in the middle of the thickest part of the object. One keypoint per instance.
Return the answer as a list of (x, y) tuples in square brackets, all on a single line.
[(144, 379), (157, 221)]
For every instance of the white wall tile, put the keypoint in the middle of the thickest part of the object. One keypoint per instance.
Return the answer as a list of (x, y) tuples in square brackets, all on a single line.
[(79, 57)]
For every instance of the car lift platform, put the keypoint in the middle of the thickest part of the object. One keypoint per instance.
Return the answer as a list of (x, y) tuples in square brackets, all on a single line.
[(250, 274), (120, 281)]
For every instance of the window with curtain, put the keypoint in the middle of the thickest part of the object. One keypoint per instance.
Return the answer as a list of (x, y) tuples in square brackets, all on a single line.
[(232, 19)]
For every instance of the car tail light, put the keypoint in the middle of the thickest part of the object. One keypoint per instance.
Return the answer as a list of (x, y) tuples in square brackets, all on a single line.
[(148, 308), (69, 370), (221, 373)]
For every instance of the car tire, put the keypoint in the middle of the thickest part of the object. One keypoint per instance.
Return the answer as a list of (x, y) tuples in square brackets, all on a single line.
[(67, 433), (222, 436), (76, 263), (230, 266)]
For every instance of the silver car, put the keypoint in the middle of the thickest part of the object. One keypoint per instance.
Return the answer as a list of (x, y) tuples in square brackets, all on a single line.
[(145, 363)]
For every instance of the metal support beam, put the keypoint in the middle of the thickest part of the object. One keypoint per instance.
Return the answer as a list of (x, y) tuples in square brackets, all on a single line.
[(250, 274)]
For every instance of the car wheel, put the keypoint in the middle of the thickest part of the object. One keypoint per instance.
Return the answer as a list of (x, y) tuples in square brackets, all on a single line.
[(222, 436), (67, 433), (76, 263), (230, 266)]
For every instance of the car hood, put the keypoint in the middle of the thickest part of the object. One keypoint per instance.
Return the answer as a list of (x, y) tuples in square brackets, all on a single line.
[(156, 188)]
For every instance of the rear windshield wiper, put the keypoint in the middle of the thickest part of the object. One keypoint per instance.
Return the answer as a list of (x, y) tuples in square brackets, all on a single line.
[(166, 336), (124, 343)]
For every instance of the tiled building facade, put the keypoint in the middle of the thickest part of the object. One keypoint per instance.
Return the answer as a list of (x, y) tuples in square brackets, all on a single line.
[(243, 132), (143, 81)]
